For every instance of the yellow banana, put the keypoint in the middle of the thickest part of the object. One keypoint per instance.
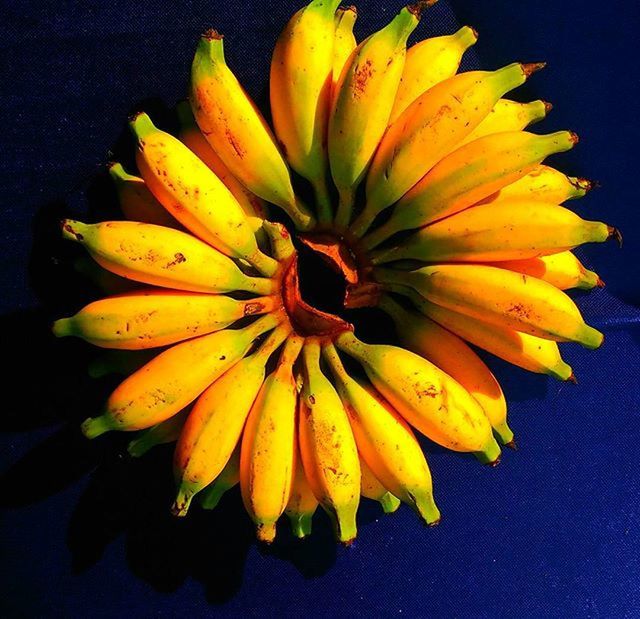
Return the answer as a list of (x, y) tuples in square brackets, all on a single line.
[(500, 231), (254, 207), (344, 42), (362, 104), (174, 378), (385, 441), (238, 133), (228, 478), (452, 355), (300, 91), (500, 297), (136, 201), (427, 131), (328, 449), (162, 257), (563, 270), (371, 488), (153, 318), (543, 184), (268, 445), (194, 195), (215, 424), (469, 174), (430, 62), (430, 400), (166, 432)]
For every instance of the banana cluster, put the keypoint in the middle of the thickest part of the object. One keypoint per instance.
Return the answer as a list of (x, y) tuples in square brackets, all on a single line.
[(426, 179)]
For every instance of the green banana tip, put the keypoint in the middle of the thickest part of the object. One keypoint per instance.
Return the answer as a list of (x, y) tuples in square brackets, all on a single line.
[(94, 427), (61, 327), (181, 505), (301, 525), (72, 230), (141, 125), (389, 503)]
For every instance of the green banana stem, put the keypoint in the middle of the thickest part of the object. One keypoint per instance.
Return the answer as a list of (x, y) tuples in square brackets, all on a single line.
[(323, 202), (345, 209)]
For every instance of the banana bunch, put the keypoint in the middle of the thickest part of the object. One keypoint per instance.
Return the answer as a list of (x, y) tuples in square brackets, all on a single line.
[(432, 191)]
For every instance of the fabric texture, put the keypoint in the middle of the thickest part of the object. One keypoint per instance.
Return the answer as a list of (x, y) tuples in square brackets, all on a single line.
[(551, 532)]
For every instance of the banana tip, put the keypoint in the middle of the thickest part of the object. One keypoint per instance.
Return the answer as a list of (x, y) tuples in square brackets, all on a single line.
[(614, 233), (417, 8), (93, 427), (600, 283), (512, 445), (547, 106), (212, 35), (529, 68), (70, 230), (574, 137)]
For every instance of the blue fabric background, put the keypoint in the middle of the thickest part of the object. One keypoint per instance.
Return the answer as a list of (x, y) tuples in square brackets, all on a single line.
[(553, 531)]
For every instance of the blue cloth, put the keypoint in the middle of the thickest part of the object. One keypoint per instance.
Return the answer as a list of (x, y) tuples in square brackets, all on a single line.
[(552, 531)]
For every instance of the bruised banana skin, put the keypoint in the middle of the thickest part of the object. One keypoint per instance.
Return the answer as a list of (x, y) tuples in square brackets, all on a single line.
[(500, 297), (420, 391), (453, 356), (228, 478), (162, 257), (427, 131), (468, 175), (136, 201), (268, 445), (385, 442), (194, 195), (328, 449), (166, 432), (344, 42), (238, 133), (365, 93), (160, 389), (153, 318), (300, 93), (371, 488), (216, 422), (428, 63), (502, 231)]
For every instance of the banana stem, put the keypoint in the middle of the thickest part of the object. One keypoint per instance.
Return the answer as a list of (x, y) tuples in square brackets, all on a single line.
[(345, 208), (301, 216), (261, 286), (265, 264), (323, 201), (331, 356), (363, 222), (377, 236)]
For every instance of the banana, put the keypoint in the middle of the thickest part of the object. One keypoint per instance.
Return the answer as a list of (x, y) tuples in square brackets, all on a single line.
[(452, 355), (327, 446), (268, 445), (214, 427), (430, 62), (344, 42), (194, 195), (228, 478), (162, 257), (136, 201), (238, 133), (385, 441), (174, 378), (166, 432), (302, 502), (468, 175), (153, 318), (189, 133), (371, 488), (362, 104), (300, 92), (500, 297), (430, 400), (563, 270), (500, 231), (427, 131), (543, 184)]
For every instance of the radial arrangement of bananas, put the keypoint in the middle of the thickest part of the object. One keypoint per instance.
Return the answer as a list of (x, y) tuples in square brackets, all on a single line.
[(427, 192)]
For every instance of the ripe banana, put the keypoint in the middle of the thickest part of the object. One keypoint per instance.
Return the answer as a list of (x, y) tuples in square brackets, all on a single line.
[(302, 502), (428, 130), (136, 201), (162, 257), (385, 441), (215, 424), (452, 355), (153, 318), (362, 104), (300, 91), (253, 207), (268, 445), (344, 42), (166, 432), (500, 297), (371, 488), (500, 231), (174, 378), (430, 400), (228, 478), (327, 446), (563, 270), (428, 63), (238, 133), (469, 174)]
